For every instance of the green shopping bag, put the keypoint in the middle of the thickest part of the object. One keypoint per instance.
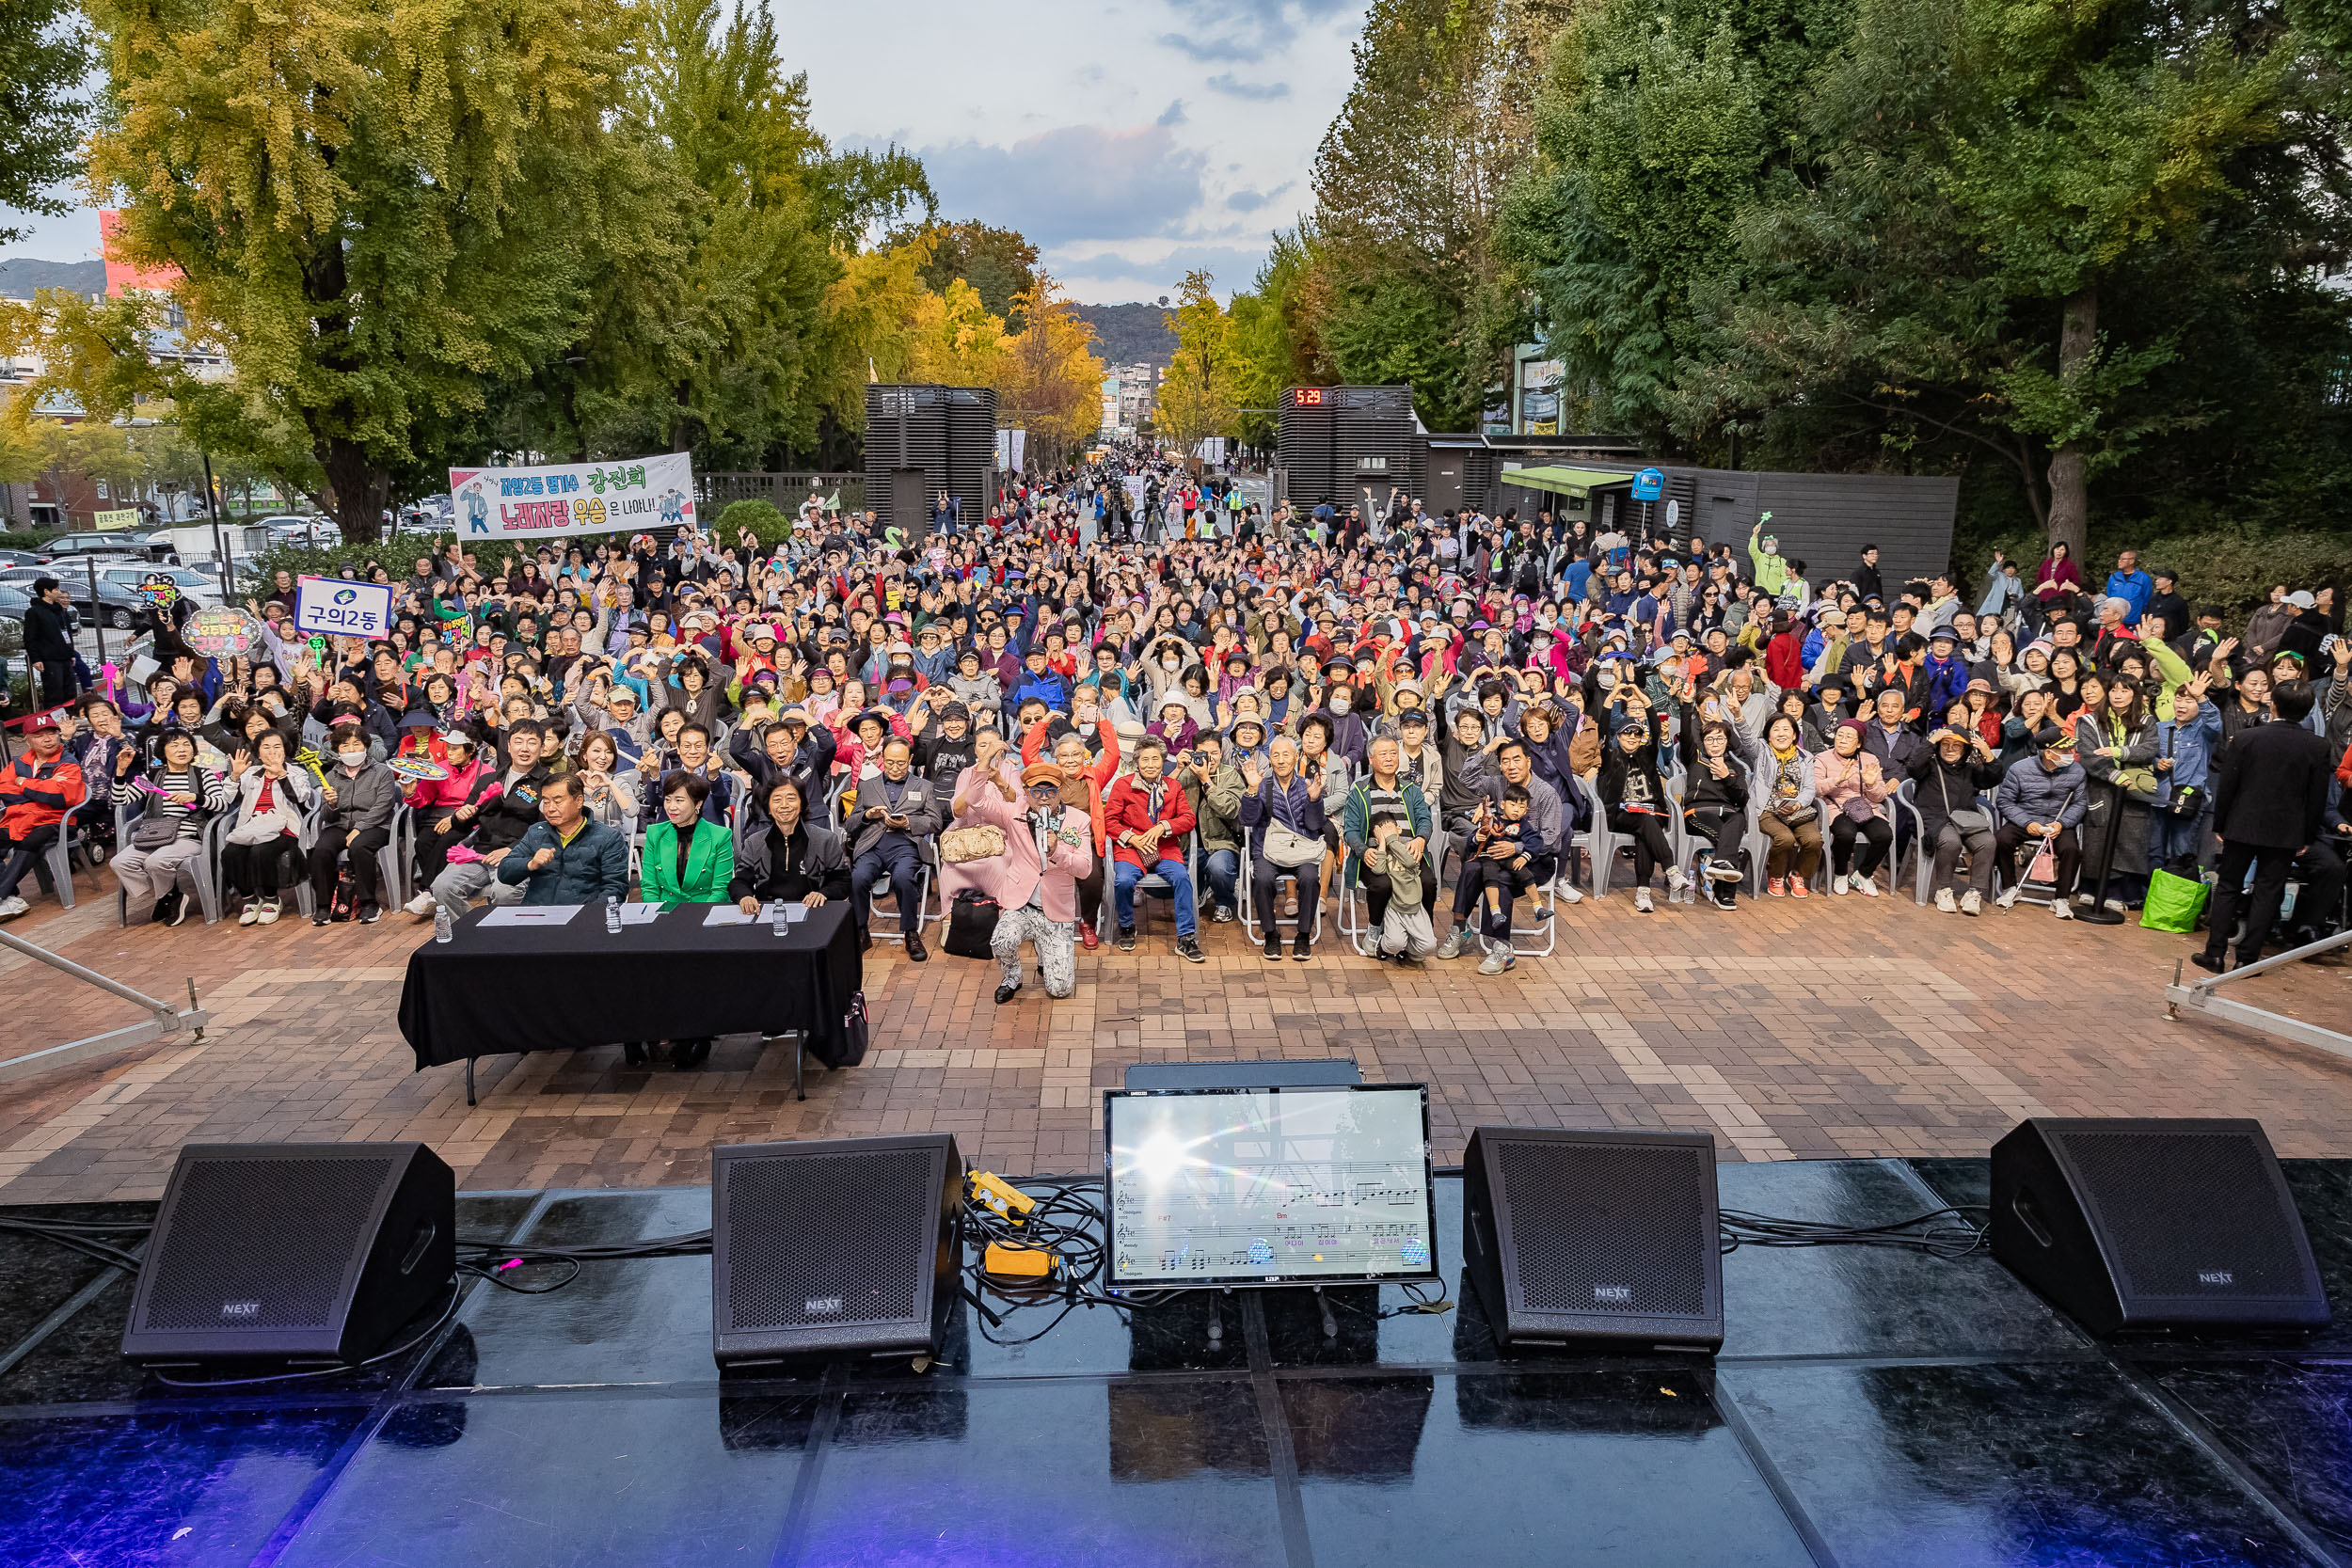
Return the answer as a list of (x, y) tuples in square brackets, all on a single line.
[(2173, 903)]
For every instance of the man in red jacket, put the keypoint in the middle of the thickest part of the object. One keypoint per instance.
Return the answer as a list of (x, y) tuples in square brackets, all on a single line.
[(1146, 816), (37, 790)]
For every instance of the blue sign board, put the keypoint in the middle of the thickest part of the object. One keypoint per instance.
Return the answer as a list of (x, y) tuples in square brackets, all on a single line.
[(1649, 484)]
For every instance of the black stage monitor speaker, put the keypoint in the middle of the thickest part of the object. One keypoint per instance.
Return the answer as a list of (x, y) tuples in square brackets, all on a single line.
[(2128, 1224), (851, 1247), (293, 1251), (1594, 1239)]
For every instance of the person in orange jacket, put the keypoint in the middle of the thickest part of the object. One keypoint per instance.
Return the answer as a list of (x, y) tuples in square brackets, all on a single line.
[(37, 790)]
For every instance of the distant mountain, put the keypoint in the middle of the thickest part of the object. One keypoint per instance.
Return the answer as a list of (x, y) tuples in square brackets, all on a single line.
[(1130, 334), (21, 275)]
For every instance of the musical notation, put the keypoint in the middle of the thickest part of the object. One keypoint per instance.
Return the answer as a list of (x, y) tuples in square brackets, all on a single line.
[(1218, 1221)]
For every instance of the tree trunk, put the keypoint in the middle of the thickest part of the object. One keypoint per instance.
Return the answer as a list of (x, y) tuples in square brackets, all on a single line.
[(357, 488), (2070, 499)]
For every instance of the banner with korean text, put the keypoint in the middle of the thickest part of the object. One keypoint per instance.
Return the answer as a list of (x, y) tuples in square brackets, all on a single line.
[(641, 495)]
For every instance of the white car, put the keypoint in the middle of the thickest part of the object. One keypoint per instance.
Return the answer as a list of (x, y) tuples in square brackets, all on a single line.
[(194, 586)]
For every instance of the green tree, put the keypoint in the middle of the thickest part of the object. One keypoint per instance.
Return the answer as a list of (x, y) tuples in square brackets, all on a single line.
[(379, 213), (1198, 401), (1000, 263), (44, 55)]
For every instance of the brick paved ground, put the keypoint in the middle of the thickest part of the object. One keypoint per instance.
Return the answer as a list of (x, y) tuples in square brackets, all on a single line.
[(1790, 1030)]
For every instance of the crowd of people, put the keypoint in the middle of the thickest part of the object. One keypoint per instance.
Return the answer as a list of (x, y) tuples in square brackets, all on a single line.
[(1123, 684)]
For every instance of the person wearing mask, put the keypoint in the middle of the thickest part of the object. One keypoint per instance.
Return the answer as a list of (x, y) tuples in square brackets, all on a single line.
[(896, 814), (1147, 816), (359, 796), (1047, 846), (157, 865), (1281, 810), (2269, 801)]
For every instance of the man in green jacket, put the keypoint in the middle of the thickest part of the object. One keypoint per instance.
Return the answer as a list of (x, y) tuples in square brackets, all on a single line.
[(565, 858)]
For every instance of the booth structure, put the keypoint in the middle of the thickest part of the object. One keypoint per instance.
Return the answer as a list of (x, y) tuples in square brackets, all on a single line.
[(1351, 445), (921, 441)]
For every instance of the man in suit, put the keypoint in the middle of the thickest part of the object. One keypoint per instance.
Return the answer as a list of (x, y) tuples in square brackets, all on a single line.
[(2270, 798), (895, 815)]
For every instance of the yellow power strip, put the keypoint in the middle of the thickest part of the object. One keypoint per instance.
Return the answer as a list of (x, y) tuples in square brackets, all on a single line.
[(1009, 1201)]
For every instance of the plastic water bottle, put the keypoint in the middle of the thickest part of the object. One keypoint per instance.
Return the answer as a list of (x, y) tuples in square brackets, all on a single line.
[(775, 914), (442, 928), (612, 915)]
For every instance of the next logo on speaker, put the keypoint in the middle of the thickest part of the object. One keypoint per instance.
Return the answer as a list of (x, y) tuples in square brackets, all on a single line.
[(822, 1306), (1616, 1295), (240, 1308), (2216, 1276)]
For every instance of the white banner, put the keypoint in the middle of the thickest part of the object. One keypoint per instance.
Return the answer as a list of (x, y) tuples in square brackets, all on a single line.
[(644, 495), (335, 608)]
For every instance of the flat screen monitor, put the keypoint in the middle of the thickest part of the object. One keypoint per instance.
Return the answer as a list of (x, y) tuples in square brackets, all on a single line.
[(1268, 1186)]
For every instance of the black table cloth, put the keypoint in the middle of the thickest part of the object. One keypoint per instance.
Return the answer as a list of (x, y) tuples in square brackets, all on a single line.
[(493, 990)]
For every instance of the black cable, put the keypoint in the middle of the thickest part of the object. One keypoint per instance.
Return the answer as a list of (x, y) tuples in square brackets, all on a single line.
[(457, 1294), (88, 1239), (1931, 1233)]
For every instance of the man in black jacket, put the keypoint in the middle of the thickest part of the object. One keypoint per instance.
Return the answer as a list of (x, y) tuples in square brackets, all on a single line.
[(500, 820), (49, 640), (2269, 796)]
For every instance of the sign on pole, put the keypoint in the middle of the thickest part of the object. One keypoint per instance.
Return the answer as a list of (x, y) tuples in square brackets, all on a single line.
[(640, 494), (1649, 484), (331, 607)]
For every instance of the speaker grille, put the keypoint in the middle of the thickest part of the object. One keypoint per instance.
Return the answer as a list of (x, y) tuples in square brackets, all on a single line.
[(2179, 1207), (1601, 1228), (312, 1213), (818, 1240)]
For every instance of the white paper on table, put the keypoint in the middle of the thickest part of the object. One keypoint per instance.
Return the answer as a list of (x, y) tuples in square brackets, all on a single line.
[(727, 914), (531, 914), (793, 914), (639, 914)]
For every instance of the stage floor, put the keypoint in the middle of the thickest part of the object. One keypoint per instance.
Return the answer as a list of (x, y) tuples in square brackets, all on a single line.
[(1869, 1408)]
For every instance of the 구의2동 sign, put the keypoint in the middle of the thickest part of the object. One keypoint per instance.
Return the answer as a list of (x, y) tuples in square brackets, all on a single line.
[(331, 607)]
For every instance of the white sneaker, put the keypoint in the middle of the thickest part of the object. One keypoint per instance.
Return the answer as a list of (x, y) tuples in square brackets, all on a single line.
[(1866, 886), (269, 911), (1570, 894), (1640, 901), (2117, 905), (2063, 909), (1944, 902), (1972, 902), (12, 906), (2085, 899), (251, 912), (1837, 885), (420, 904), (1674, 883)]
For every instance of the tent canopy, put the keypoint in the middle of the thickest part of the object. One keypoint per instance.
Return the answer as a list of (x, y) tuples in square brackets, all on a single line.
[(1564, 482)]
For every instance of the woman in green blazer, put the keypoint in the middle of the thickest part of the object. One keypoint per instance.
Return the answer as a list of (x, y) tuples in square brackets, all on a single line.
[(687, 860)]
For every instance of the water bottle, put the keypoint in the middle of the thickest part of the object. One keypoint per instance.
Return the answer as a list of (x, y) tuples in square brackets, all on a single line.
[(441, 929), (612, 915), (775, 914)]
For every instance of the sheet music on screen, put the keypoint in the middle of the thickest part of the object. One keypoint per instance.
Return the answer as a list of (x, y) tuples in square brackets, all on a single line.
[(1266, 1186)]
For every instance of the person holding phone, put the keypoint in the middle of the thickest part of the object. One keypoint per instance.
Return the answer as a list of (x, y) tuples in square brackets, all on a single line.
[(896, 816)]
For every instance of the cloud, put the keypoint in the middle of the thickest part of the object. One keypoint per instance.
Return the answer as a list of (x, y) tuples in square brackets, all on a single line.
[(1173, 115), (1247, 200), (1245, 29), (1105, 278), (1256, 92), (1078, 182)]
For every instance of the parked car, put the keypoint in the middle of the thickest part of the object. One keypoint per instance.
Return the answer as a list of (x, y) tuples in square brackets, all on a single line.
[(111, 541), (17, 597), (199, 587), (115, 603), (20, 558)]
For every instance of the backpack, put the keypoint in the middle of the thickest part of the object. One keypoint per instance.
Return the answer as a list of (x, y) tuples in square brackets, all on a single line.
[(971, 923)]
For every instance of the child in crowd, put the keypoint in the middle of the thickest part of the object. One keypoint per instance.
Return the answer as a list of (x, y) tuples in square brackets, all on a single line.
[(1405, 933)]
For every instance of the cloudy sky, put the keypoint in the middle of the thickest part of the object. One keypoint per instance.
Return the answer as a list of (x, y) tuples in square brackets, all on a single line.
[(1130, 140)]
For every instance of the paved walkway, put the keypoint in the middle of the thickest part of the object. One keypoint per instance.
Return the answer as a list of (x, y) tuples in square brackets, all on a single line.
[(1790, 1030)]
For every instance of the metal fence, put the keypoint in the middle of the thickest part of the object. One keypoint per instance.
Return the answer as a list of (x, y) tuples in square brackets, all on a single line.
[(784, 491)]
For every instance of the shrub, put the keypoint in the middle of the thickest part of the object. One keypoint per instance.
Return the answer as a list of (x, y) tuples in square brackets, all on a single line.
[(768, 526)]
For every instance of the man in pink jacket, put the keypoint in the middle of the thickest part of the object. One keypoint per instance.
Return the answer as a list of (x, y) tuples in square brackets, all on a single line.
[(1046, 850)]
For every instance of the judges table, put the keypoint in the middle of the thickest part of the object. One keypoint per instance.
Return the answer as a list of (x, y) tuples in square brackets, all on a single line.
[(537, 985)]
